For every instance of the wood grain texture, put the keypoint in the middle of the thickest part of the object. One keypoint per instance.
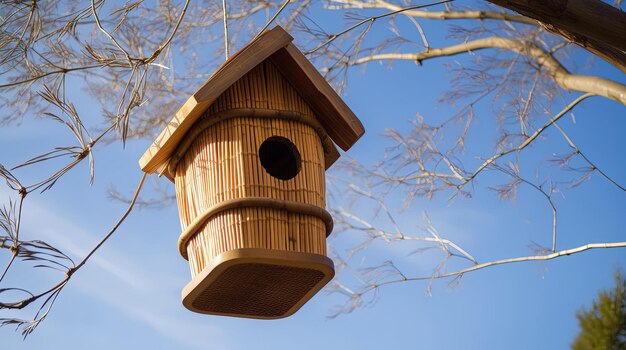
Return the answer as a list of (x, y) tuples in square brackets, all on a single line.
[(337, 118), (340, 123), (232, 70), (210, 174), (581, 19), (290, 207), (222, 165), (217, 290)]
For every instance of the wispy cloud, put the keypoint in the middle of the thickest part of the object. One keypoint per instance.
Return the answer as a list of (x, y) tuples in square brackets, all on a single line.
[(137, 292)]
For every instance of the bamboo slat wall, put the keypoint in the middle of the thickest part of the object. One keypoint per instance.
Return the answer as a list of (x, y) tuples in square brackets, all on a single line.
[(223, 164)]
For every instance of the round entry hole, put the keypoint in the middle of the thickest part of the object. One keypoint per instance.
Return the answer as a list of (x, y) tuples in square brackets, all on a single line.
[(280, 157)]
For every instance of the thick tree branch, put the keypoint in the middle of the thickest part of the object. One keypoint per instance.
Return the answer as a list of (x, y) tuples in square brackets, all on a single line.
[(608, 53), (600, 48), (583, 83), (584, 19)]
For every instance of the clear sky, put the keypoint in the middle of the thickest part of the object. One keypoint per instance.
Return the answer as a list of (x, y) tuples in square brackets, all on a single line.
[(128, 295)]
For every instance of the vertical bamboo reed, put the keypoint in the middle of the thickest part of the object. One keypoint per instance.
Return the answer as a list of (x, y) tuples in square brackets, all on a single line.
[(223, 164)]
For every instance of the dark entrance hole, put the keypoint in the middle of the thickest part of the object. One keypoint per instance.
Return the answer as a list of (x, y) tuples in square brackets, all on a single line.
[(280, 157)]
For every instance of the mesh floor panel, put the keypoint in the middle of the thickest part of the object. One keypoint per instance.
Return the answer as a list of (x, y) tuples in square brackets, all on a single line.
[(257, 290)]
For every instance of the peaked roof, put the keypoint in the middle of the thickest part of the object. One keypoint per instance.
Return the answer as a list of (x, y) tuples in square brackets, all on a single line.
[(343, 127)]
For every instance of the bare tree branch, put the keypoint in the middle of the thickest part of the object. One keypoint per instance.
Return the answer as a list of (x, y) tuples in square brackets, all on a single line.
[(596, 85), (438, 15), (369, 21), (52, 293), (585, 19)]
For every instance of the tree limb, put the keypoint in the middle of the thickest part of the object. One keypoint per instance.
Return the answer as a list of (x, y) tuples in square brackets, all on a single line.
[(608, 53), (358, 294), (583, 83), (524, 258), (584, 19)]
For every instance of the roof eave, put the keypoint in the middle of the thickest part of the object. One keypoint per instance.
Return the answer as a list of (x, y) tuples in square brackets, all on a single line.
[(343, 127)]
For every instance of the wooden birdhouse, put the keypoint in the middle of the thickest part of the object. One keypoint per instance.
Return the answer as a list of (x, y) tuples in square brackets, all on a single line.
[(248, 153)]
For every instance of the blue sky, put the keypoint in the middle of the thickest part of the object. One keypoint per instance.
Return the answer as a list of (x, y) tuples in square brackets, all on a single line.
[(128, 295)]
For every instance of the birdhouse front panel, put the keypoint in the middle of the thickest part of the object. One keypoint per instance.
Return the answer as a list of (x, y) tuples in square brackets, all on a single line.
[(248, 156), (247, 153)]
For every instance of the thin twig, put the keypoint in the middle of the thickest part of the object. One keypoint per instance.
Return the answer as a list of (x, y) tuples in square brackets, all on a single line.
[(503, 262), (332, 37), (158, 51), (119, 222), (70, 272), (225, 14), (16, 239), (99, 24), (59, 71), (282, 7), (437, 15), (529, 140), (583, 156)]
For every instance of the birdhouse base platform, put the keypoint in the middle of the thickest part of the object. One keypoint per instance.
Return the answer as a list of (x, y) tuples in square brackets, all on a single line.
[(257, 283)]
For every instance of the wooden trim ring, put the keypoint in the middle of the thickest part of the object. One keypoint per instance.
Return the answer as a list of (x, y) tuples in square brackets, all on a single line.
[(263, 202)]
